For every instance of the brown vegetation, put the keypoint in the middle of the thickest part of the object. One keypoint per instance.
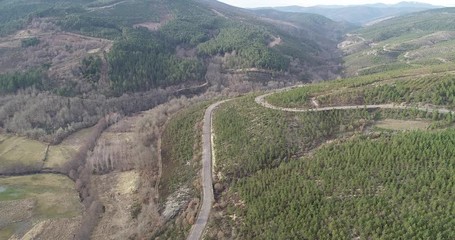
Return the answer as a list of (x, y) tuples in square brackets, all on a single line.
[(78, 170), (63, 52)]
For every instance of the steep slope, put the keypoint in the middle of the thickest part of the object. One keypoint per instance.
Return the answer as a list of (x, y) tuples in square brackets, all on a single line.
[(174, 38), (316, 161)]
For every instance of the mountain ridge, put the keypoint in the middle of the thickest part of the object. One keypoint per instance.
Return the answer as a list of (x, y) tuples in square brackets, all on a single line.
[(359, 14)]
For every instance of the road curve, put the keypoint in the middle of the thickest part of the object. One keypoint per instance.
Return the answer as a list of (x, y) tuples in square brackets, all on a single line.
[(207, 186), (261, 100)]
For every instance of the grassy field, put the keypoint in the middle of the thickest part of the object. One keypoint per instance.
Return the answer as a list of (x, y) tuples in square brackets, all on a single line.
[(35, 198), (19, 150), (59, 154)]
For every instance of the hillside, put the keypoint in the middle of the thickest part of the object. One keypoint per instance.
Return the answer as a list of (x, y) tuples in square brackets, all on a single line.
[(361, 14), (103, 55), (364, 157), (195, 119), (414, 40), (180, 36), (87, 92), (352, 158)]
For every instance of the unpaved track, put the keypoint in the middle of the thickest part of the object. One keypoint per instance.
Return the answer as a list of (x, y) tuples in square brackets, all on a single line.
[(207, 186), (261, 100)]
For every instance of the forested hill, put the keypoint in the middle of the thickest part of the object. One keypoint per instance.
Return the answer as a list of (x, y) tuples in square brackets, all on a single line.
[(429, 21), (362, 14), (161, 43), (65, 64), (418, 39)]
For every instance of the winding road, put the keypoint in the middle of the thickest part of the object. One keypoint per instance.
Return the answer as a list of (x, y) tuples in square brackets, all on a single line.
[(197, 229), (261, 100)]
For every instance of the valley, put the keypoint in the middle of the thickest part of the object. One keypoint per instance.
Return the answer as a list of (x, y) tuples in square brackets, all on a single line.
[(193, 119)]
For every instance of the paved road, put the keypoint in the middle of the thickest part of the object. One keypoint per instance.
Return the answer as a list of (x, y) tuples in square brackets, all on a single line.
[(207, 186), (198, 228)]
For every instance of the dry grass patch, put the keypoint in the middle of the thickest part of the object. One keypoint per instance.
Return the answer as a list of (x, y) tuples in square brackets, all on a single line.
[(402, 125), (63, 152), (117, 191), (20, 150), (29, 200)]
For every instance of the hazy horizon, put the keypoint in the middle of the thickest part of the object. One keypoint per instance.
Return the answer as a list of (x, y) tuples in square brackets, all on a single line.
[(308, 3)]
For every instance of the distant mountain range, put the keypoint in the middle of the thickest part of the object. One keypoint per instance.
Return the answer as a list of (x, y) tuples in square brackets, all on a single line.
[(361, 14)]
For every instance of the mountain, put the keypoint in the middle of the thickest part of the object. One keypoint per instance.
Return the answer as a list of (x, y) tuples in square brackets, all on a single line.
[(87, 87), (361, 14)]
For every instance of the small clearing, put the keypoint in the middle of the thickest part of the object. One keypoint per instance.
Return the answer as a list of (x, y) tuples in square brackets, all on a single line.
[(155, 26), (402, 125), (275, 41), (219, 14)]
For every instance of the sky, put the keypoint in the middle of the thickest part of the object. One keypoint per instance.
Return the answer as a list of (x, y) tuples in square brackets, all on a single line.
[(307, 3)]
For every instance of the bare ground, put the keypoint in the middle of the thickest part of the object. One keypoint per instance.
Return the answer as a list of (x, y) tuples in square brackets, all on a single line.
[(155, 26), (399, 125), (117, 192), (275, 41), (129, 196)]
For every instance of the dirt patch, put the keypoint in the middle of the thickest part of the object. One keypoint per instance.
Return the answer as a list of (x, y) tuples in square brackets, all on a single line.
[(280, 22), (275, 41), (402, 125), (117, 193), (155, 26), (152, 26)]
